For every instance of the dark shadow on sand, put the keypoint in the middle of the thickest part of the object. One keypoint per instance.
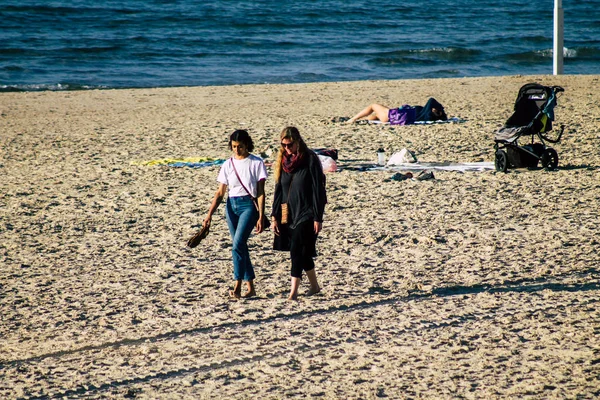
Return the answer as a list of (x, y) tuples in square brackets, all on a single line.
[(570, 167), (517, 286), (88, 389)]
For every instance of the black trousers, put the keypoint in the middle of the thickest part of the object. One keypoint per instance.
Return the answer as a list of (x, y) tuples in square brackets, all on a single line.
[(303, 240)]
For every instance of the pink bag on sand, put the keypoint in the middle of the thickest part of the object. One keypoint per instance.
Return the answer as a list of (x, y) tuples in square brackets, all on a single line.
[(404, 115), (328, 164)]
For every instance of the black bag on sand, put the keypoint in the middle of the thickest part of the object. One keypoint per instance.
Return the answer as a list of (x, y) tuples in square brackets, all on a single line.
[(266, 221), (197, 238), (281, 242)]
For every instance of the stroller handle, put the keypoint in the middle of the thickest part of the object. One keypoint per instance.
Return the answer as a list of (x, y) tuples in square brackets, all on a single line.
[(544, 137)]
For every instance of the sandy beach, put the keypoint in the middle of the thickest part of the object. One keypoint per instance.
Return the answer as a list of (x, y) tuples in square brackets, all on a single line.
[(470, 285)]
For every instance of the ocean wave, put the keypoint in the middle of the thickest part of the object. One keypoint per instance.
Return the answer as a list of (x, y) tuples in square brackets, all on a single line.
[(12, 68), (89, 49), (535, 56), (586, 53), (48, 87), (451, 51), (533, 39), (11, 51), (64, 10), (430, 56), (442, 73)]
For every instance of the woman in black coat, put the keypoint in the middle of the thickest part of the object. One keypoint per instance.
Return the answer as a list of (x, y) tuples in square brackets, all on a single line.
[(298, 207)]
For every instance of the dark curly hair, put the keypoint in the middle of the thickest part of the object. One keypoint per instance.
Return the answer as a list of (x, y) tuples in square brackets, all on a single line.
[(243, 137)]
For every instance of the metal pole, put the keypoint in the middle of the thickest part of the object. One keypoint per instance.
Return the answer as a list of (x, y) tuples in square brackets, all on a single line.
[(559, 28)]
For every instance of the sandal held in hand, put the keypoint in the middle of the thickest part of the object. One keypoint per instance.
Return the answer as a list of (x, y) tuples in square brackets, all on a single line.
[(197, 238)]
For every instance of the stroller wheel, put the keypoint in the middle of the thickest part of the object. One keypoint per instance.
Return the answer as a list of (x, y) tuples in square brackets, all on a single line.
[(501, 161), (550, 159)]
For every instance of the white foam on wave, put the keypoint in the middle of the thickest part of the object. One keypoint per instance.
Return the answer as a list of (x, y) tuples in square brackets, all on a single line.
[(567, 53)]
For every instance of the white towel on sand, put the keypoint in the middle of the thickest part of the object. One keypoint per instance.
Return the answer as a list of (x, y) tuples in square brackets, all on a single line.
[(453, 120), (444, 166)]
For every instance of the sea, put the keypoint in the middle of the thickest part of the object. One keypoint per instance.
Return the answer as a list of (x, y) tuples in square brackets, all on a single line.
[(104, 44)]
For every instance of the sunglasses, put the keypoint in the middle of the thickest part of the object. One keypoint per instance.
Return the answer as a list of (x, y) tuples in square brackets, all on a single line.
[(287, 145)]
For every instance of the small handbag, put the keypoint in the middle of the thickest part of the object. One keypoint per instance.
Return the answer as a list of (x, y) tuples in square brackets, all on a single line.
[(284, 213), (265, 221)]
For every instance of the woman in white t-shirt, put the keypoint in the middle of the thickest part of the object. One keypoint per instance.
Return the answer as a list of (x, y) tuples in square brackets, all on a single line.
[(243, 175)]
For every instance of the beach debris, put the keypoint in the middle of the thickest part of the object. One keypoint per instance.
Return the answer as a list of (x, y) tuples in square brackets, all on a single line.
[(337, 120), (266, 152), (425, 176), (422, 176), (399, 176)]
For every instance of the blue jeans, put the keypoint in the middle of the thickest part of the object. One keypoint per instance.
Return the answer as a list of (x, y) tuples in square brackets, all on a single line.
[(241, 219)]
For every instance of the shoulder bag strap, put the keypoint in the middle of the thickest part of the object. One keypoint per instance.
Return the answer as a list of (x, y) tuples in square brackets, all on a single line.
[(240, 180), (242, 183)]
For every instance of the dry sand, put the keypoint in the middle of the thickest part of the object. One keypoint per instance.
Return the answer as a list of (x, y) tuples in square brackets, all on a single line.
[(472, 285)]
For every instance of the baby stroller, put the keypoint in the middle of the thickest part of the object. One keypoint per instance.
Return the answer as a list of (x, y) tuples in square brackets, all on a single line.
[(533, 116)]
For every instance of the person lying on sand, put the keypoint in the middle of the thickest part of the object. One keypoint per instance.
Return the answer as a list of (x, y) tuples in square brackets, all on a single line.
[(431, 111)]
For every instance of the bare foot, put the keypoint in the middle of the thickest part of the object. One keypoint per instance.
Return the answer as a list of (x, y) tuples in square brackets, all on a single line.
[(312, 291), (250, 292), (236, 293), (293, 297)]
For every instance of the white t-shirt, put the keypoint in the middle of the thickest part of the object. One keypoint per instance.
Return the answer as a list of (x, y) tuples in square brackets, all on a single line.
[(251, 170)]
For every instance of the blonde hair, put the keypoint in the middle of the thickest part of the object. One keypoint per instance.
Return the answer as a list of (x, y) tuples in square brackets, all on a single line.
[(290, 133)]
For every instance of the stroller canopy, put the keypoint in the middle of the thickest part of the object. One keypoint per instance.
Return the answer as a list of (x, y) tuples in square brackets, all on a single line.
[(533, 113), (532, 99)]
